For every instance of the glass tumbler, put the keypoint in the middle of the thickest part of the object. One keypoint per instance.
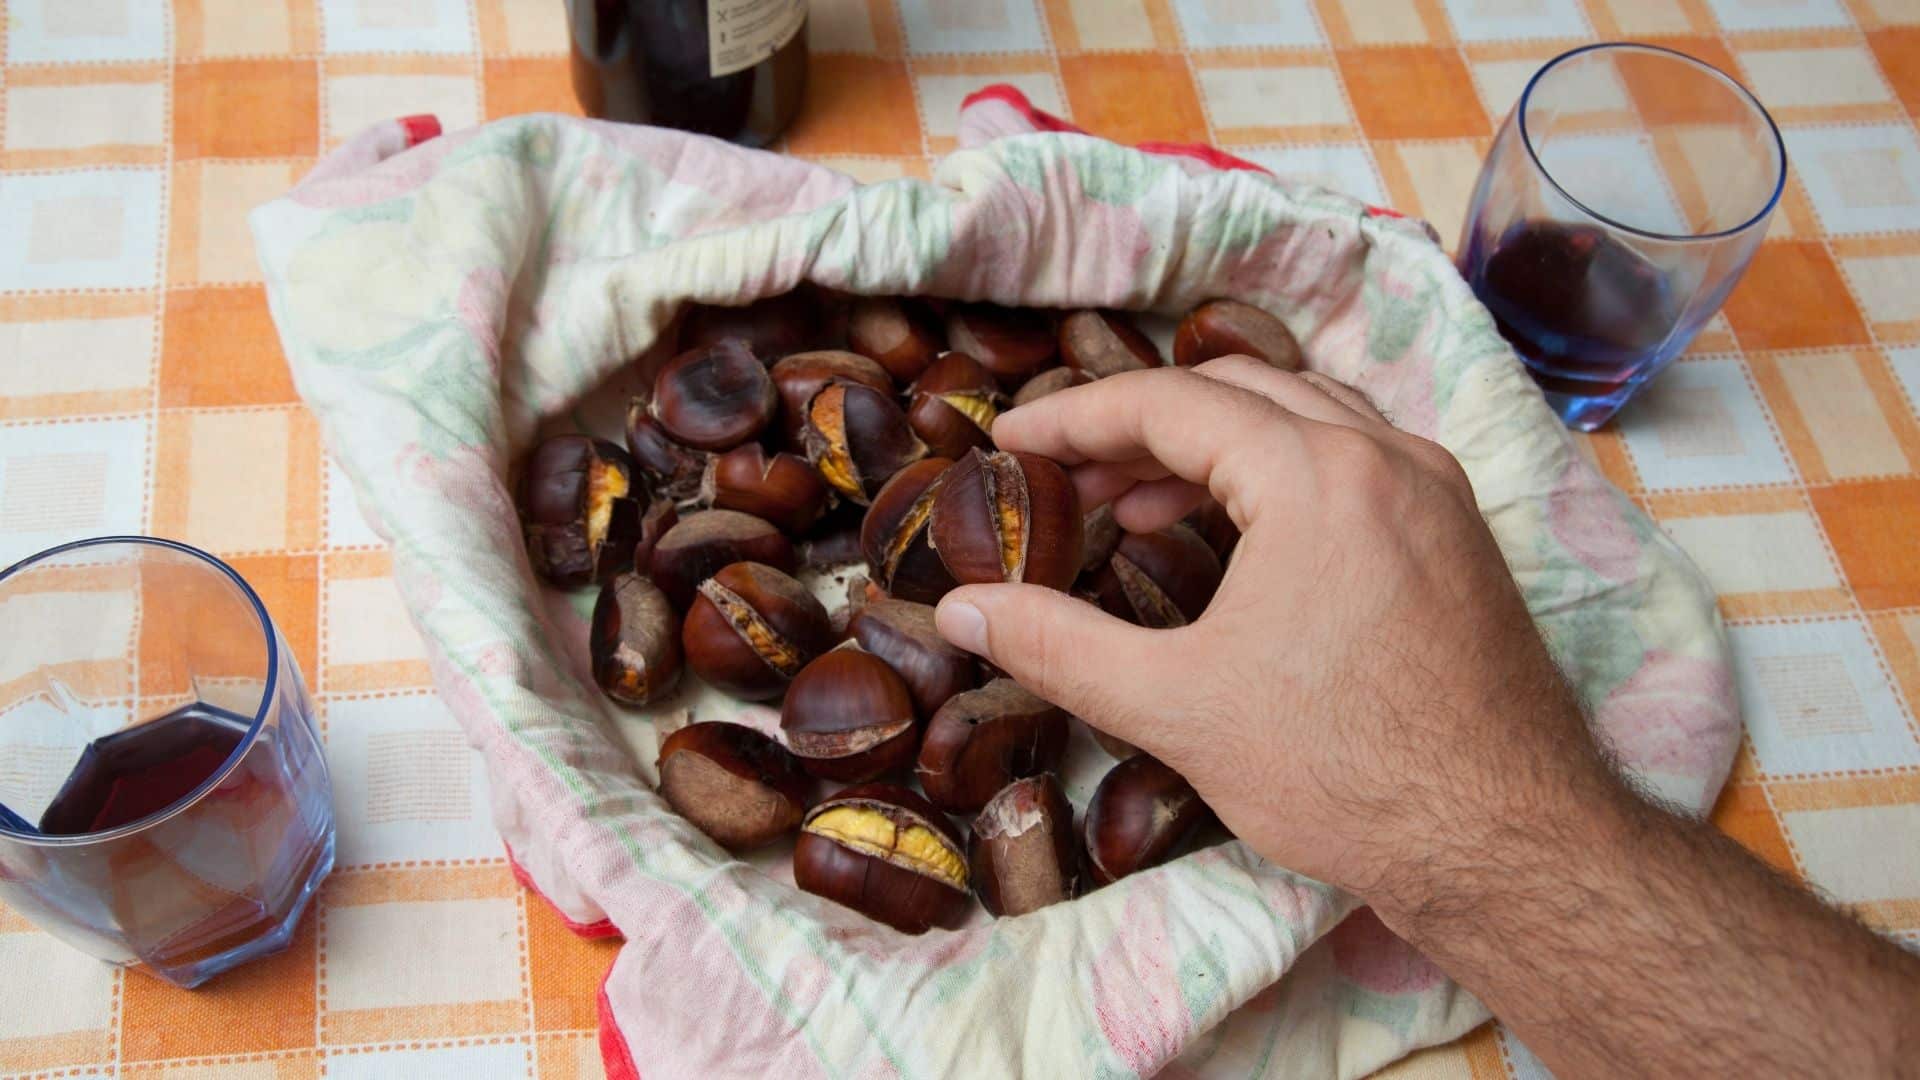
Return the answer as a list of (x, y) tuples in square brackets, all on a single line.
[(1621, 202), (163, 799)]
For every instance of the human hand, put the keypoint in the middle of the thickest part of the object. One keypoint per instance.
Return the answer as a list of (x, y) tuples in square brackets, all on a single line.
[(1366, 674)]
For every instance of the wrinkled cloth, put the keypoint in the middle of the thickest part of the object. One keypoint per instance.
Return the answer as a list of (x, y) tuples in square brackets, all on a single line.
[(439, 304)]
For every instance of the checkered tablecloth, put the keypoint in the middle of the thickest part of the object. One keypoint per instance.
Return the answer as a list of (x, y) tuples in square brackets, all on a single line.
[(142, 391)]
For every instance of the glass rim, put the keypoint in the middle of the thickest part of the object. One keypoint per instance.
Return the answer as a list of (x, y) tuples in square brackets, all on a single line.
[(259, 712), (1739, 89)]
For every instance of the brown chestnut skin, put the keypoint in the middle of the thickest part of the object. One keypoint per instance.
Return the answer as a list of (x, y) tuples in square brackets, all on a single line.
[(1139, 817), (1216, 527), (659, 517), (1103, 343), (772, 327), (858, 438), (849, 717), (893, 536), (676, 470), (885, 852), (1101, 538), (736, 785), (1159, 580), (896, 333), (579, 510), (1012, 343), (751, 629), (831, 550), (953, 405), (903, 634), (783, 489), (635, 641), (714, 397), (1022, 852), (1229, 327), (1050, 381), (981, 740), (701, 543), (798, 377), (1008, 517)]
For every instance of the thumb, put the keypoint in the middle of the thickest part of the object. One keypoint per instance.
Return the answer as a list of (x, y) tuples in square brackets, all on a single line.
[(1066, 650)]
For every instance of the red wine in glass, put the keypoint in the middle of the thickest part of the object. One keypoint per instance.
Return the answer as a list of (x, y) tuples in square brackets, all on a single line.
[(123, 777), (1589, 316)]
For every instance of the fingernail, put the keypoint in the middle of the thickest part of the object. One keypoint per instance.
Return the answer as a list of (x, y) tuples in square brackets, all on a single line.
[(962, 624)]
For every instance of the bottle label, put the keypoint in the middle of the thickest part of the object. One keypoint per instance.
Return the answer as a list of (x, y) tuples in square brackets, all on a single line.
[(741, 33)]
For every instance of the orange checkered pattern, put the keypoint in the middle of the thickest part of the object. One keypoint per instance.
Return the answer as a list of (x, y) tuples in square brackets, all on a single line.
[(142, 390)]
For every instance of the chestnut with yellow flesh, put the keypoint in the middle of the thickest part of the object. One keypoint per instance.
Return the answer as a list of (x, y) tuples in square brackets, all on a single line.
[(579, 519), (893, 536), (1008, 517), (953, 405), (858, 438), (827, 414), (751, 629), (885, 852)]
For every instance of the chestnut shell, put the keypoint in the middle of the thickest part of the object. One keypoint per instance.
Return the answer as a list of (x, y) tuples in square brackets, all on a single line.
[(953, 405), (981, 740), (848, 716), (1159, 580), (751, 628), (676, 470), (858, 438), (904, 899), (736, 785), (714, 397), (556, 488), (899, 334), (1226, 327), (903, 634), (783, 489), (698, 545), (1050, 381), (635, 641), (1138, 817), (771, 327), (798, 377), (1022, 851), (1012, 343), (1008, 517), (1103, 343), (893, 536)]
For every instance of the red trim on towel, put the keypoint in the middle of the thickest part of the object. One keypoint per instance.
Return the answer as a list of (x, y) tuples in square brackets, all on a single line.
[(602, 929), (615, 1056), (1211, 155), (420, 128)]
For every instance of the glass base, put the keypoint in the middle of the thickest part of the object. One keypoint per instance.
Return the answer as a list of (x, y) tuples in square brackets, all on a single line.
[(1586, 413), (261, 939)]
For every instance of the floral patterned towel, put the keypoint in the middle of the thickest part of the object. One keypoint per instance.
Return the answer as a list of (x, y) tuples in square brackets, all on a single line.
[(442, 297)]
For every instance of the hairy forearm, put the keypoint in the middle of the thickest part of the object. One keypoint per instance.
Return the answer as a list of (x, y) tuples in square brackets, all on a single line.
[(1617, 939)]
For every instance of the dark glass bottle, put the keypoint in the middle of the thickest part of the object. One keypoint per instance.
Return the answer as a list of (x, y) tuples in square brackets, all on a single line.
[(732, 68)]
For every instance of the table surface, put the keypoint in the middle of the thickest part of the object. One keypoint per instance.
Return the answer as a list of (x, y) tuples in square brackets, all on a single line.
[(142, 391)]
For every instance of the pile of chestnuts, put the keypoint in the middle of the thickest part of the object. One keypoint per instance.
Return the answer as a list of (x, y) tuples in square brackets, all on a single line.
[(814, 431)]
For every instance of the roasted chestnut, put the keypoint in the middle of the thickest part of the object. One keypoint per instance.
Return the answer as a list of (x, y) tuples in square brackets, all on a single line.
[(848, 716), (772, 327), (830, 550), (896, 333), (751, 629), (1216, 527), (1101, 537), (783, 489), (858, 438), (980, 740), (884, 852), (953, 405), (902, 633), (1023, 853), (798, 377), (1012, 343), (635, 642), (578, 511), (894, 535), (1226, 327), (700, 544), (1138, 817), (714, 397), (1103, 343), (1159, 580), (659, 517), (1049, 381), (676, 470), (1007, 517), (736, 785)]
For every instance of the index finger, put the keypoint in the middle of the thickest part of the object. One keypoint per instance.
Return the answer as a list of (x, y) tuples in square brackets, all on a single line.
[(1198, 428)]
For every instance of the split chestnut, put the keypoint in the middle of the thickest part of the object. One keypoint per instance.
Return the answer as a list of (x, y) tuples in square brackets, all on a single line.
[(884, 852)]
